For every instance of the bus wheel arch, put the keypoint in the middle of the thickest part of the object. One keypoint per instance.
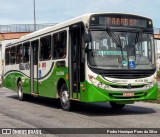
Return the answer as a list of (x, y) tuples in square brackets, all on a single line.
[(18, 80)]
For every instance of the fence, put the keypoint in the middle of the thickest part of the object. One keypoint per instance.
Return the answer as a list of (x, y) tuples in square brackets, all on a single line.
[(156, 30), (22, 27)]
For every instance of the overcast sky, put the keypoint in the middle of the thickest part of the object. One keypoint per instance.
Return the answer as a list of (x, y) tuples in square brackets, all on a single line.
[(56, 11)]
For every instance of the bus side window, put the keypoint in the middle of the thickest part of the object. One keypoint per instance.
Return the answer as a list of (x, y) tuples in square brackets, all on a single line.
[(45, 48), (7, 56), (59, 45), (13, 55), (19, 54), (26, 52)]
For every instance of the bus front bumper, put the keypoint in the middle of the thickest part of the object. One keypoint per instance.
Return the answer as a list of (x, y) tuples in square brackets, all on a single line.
[(95, 94)]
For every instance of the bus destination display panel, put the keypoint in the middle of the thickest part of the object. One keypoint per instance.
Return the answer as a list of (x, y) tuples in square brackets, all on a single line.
[(120, 21)]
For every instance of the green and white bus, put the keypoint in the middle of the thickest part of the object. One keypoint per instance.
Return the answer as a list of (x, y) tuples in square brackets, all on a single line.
[(99, 57)]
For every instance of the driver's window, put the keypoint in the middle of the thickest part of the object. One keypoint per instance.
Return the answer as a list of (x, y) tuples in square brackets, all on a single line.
[(143, 52)]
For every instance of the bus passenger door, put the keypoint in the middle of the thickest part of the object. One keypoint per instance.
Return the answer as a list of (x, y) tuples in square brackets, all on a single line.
[(34, 67), (75, 60)]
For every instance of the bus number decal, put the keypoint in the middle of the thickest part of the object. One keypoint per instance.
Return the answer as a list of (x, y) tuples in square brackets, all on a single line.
[(60, 73)]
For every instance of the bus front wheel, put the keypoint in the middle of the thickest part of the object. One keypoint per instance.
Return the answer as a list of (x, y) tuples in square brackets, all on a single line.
[(64, 98), (117, 106)]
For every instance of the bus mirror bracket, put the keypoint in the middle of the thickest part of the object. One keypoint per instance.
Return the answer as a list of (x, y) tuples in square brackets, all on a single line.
[(87, 48), (87, 40), (86, 37)]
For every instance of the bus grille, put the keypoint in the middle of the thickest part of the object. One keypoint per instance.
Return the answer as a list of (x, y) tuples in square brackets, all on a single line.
[(126, 87)]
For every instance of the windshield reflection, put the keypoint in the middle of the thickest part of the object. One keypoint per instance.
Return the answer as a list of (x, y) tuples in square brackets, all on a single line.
[(130, 50)]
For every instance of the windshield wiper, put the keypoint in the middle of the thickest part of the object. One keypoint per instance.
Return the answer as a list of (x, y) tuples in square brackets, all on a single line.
[(114, 37), (116, 40)]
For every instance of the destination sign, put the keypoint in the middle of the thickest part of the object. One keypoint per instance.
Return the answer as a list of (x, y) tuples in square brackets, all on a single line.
[(120, 21)]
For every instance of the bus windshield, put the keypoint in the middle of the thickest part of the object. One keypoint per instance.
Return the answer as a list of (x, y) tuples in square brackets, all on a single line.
[(121, 50)]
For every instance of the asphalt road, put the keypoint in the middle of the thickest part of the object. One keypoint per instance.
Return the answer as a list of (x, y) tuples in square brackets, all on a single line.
[(47, 113)]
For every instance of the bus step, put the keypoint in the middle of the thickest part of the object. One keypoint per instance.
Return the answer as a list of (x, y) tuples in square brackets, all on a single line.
[(35, 94)]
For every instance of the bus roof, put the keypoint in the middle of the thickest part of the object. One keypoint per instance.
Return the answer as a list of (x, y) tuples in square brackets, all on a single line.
[(49, 29), (83, 18)]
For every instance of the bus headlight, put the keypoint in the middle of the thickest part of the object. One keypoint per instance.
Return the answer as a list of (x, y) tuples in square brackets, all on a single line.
[(101, 85), (97, 83), (94, 80), (151, 84)]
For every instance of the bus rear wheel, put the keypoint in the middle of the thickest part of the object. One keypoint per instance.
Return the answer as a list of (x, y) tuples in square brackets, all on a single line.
[(64, 98), (117, 106), (21, 95)]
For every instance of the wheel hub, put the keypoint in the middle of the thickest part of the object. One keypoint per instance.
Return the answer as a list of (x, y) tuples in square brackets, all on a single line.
[(64, 97)]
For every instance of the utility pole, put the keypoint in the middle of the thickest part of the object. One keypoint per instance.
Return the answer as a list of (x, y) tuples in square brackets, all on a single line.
[(34, 8)]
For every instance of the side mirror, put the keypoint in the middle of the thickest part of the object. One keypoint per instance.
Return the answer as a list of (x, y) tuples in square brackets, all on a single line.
[(87, 40), (87, 48)]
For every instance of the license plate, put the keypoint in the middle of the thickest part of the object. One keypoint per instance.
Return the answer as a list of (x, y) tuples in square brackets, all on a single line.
[(130, 94)]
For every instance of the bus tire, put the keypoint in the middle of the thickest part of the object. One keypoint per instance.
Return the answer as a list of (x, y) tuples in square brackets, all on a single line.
[(64, 98), (116, 106), (21, 95)]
